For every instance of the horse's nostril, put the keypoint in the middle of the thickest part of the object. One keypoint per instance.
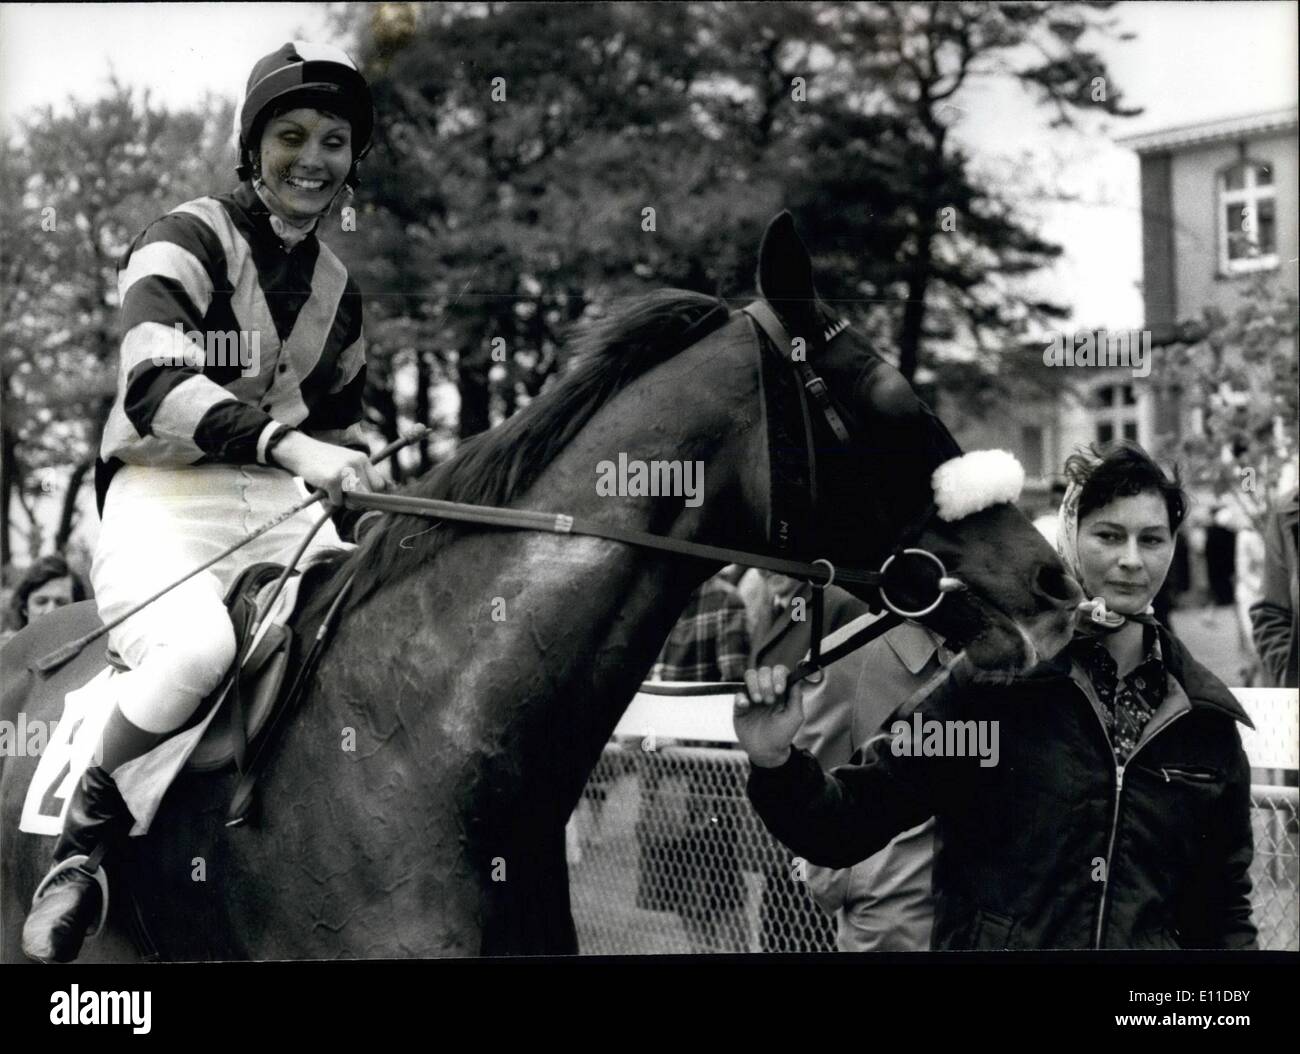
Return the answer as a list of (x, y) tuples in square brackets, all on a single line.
[(1055, 584)]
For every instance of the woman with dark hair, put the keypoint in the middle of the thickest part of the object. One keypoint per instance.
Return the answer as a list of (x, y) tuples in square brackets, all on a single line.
[(48, 584), (1114, 808), (241, 367)]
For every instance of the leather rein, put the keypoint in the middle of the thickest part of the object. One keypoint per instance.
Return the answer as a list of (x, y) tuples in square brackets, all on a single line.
[(820, 572)]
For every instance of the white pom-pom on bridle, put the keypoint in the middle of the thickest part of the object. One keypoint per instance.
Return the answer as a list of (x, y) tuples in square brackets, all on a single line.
[(975, 481), (962, 486)]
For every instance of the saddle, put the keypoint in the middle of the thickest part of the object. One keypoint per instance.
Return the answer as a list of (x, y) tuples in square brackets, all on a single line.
[(248, 693), (233, 725)]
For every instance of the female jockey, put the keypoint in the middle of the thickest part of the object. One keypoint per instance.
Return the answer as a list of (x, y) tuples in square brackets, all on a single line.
[(242, 357)]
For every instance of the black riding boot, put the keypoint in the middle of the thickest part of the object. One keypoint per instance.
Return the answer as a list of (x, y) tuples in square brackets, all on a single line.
[(72, 900)]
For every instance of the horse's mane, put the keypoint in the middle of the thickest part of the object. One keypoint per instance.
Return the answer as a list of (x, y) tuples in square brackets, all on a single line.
[(497, 466)]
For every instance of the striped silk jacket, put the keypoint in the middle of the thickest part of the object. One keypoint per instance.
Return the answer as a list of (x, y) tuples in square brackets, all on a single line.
[(226, 335)]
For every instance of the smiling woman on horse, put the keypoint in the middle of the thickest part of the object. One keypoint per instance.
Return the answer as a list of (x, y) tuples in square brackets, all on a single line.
[(1117, 814), (196, 447)]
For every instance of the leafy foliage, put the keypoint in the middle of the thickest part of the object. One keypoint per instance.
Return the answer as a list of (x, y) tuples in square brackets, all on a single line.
[(1239, 375), (521, 211), (78, 185)]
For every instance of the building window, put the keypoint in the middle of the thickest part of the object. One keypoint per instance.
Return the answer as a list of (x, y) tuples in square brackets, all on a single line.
[(1116, 412), (1247, 218)]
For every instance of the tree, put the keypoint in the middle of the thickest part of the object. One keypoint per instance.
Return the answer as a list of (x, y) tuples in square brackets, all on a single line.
[(1238, 374), (521, 146), (81, 182), (514, 176), (960, 244)]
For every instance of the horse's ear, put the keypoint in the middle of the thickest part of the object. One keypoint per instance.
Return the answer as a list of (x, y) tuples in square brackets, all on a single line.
[(785, 277)]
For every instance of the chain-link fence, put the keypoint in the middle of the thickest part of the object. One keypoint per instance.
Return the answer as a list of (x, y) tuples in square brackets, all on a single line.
[(670, 857), (666, 855), (1275, 871)]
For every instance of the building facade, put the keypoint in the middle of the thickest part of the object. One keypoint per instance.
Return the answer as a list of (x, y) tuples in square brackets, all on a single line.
[(1219, 206)]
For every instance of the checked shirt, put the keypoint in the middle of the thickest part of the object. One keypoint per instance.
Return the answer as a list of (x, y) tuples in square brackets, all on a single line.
[(1127, 702)]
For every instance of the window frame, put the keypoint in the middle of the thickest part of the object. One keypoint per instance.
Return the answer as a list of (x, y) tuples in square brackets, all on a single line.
[(1250, 195), (1117, 413)]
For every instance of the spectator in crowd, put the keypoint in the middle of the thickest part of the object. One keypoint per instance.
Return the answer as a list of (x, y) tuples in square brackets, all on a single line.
[(1247, 587), (1220, 551), (688, 828), (48, 584), (709, 641), (784, 636), (732, 573), (1114, 810), (1177, 582), (884, 903), (1273, 618), (756, 595)]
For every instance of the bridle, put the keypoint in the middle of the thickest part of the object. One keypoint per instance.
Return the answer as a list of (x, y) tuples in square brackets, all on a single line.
[(904, 561), (808, 385), (812, 389)]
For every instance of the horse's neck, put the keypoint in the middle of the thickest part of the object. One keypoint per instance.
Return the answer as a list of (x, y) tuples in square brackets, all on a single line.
[(700, 410), (572, 624)]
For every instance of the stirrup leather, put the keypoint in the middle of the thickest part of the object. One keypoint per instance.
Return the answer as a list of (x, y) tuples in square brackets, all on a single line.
[(98, 875)]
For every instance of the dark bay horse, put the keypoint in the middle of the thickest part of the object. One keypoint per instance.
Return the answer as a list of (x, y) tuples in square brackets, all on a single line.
[(416, 805)]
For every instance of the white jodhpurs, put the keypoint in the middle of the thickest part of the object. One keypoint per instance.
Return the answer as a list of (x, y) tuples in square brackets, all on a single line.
[(160, 523)]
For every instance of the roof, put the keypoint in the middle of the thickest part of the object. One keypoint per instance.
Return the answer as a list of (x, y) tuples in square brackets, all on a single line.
[(1251, 126)]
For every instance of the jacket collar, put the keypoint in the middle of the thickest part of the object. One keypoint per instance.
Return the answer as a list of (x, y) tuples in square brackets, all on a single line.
[(775, 622), (914, 645), (1203, 689), (1201, 686)]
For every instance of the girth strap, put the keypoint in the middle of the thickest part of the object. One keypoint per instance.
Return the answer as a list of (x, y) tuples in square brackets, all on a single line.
[(241, 802)]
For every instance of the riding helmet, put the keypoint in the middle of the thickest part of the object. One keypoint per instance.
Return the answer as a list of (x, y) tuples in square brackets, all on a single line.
[(303, 74)]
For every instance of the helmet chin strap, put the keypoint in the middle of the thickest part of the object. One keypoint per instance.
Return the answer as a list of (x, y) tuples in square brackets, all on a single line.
[(288, 230)]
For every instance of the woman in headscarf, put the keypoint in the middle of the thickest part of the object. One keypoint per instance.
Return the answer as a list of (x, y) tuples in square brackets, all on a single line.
[(1116, 810), (242, 366)]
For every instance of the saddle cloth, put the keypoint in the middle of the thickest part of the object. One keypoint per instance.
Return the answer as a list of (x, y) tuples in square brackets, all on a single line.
[(204, 744)]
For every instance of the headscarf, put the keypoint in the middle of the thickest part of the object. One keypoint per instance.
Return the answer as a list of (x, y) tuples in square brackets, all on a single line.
[(1067, 545)]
